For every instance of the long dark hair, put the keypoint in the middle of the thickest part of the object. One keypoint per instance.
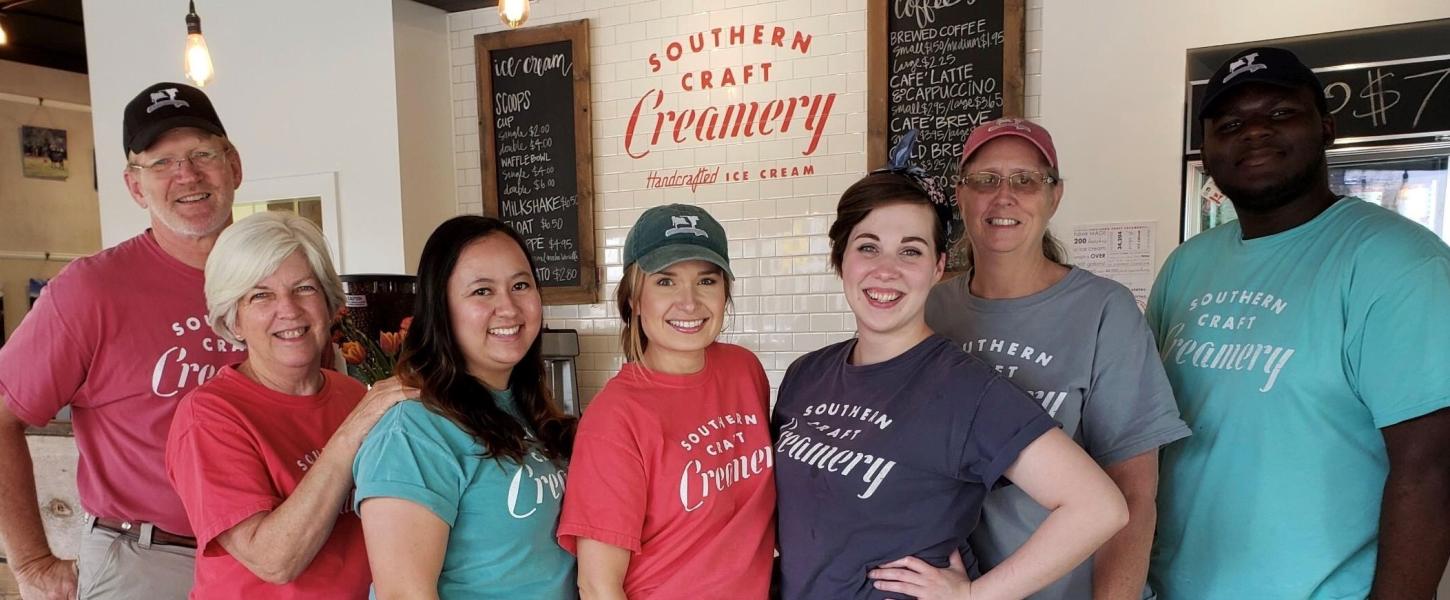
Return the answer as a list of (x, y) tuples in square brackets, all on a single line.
[(432, 361)]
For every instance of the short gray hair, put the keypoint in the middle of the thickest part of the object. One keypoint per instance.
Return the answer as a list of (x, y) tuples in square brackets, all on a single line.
[(251, 250)]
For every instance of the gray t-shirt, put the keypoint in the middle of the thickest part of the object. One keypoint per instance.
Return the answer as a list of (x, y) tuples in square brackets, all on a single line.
[(1083, 350)]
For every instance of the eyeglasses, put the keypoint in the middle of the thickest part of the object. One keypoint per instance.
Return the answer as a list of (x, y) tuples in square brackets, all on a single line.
[(199, 159), (1023, 182)]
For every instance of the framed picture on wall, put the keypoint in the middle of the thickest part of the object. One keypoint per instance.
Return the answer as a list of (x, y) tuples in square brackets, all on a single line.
[(43, 153)]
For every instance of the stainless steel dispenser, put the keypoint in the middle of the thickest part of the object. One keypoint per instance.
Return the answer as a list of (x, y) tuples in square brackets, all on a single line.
[(561, 351)]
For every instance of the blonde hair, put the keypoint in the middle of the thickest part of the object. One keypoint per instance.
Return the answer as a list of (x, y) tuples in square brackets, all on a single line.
[(631, 338), (251, 250)]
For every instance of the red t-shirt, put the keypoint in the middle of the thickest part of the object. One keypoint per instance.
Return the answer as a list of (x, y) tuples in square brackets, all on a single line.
[(121, 337), (238, 448), (679, 470)]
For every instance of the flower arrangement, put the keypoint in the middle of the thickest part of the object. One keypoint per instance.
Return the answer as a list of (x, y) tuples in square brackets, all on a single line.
[(367, 360)]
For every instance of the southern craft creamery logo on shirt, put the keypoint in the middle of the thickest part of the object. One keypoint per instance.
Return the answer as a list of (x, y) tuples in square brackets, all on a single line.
[(1267, 360), (721, 437), (173, 374)]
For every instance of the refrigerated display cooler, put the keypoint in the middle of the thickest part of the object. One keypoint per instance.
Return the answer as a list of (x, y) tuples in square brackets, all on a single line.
[(1409, 179)]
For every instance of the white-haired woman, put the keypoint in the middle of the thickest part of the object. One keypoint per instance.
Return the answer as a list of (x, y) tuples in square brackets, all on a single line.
[(261, 454)]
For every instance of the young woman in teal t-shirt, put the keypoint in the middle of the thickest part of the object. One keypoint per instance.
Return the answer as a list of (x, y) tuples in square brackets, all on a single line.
[(459, 491)]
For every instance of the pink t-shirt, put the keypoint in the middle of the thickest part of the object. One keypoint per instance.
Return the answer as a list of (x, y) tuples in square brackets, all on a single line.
[(121, 337), (679, 471), (238, 448)]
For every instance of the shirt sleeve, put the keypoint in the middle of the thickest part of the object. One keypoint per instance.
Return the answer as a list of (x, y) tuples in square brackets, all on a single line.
[(45, 362), (762, 382), (608, 487), (1006, 421), (1397, 339), (219, 474), (398, 461), (1129, 407), (1153, 313)]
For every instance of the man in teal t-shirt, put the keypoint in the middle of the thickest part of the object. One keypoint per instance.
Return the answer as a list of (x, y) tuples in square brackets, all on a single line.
[(1308, 345)]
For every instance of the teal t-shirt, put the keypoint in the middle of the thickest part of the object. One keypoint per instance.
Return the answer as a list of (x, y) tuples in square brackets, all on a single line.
[(501, 515), (1287, 354)]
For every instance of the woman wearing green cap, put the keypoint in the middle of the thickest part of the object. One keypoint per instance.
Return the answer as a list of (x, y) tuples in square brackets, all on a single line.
[(671, 489)]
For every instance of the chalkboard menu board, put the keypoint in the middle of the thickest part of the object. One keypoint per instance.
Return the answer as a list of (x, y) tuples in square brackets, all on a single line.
[(536, 150), (941, 67), (1386, 102)]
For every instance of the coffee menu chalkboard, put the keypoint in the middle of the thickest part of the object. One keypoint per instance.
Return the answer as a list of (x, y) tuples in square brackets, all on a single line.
[(941, 67), (536, 150)]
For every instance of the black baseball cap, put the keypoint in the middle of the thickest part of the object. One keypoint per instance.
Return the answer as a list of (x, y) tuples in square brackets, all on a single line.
[(1273, 66), (162, 107)]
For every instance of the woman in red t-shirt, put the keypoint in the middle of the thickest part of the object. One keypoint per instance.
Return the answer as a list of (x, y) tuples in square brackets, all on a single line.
[(671, 489), (261, 455)]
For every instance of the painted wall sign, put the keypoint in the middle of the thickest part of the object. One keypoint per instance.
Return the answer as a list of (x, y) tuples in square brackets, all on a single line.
[(669, 117)]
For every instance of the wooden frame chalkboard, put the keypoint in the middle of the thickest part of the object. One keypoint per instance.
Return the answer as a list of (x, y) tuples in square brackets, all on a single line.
[(941, 46), (536, 150)]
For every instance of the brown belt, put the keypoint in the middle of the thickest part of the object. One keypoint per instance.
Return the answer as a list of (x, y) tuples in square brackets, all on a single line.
[(133, 530)]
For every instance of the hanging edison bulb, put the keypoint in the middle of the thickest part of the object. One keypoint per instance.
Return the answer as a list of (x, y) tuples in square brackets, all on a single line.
[(198, 58), (4, 38), (513, 12)]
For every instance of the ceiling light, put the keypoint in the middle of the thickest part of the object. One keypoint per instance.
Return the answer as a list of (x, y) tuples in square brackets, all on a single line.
[(513, 12), (197, 61)]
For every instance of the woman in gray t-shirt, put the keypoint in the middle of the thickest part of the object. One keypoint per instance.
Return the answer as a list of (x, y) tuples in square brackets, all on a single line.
[(1075, 342)]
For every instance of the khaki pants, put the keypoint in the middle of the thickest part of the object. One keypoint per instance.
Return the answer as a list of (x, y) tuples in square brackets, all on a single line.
[(117, 567)]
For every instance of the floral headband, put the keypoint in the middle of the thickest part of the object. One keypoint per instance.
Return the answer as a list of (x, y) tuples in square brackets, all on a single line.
[(899, 163)]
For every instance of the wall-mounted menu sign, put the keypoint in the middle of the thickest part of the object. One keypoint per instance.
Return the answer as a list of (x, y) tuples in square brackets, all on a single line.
[(537, 153), (941, 67), (1394, 101)]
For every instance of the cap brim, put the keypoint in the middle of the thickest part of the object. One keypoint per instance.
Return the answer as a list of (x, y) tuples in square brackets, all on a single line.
[(1209, 101), (1014, 133), (147, 135), (661, 258)]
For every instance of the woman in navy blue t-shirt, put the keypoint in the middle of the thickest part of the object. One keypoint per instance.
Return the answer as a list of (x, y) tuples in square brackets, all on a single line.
[(886, 444)]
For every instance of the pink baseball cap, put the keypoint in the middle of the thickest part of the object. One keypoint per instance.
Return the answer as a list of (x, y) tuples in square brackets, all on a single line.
[(1022, 128)]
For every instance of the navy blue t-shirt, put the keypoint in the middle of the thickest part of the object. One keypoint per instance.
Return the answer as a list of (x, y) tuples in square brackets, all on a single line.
[(876, 462)]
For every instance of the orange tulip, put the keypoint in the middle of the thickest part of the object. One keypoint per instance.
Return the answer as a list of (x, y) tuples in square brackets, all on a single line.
[(390, 341), (353, 353)]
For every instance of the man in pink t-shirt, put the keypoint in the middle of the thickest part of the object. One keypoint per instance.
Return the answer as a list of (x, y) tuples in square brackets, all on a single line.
[(120, 337)]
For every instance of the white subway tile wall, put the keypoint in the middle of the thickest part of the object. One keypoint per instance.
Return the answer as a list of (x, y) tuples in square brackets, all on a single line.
[(787, 300)]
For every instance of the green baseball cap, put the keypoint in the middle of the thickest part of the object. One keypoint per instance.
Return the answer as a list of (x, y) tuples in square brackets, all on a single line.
[(665, 235)]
